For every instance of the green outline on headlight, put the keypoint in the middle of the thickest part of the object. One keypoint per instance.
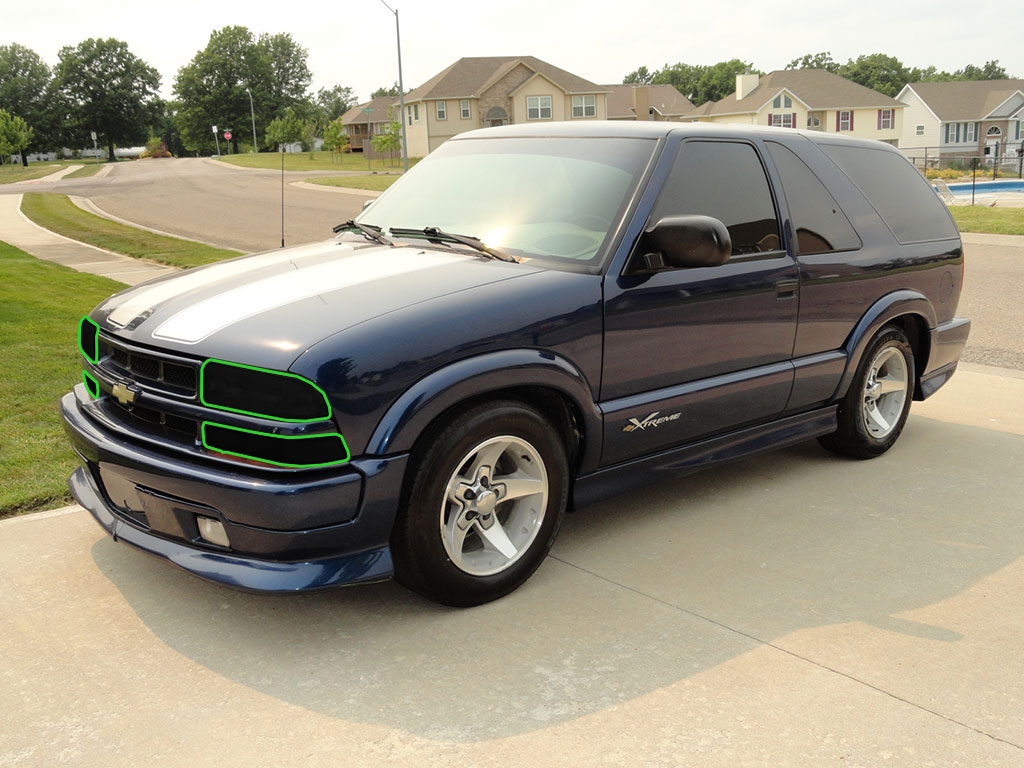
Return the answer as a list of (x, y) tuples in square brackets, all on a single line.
[(91, 385), (202, 398), (94, 358), (348, 453)]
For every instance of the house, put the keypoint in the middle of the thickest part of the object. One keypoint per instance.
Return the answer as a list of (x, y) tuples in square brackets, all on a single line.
[(367, 120), (972, 118), (477, 92), (651, 102), (807, 98)]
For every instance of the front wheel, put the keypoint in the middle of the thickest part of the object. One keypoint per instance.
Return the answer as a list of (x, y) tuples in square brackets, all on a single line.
[(485, 501), (875, 409)]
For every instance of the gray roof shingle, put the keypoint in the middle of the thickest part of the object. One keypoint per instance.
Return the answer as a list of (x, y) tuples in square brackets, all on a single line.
[(663, 97), (967, 99), (817, 88), (470, 75)]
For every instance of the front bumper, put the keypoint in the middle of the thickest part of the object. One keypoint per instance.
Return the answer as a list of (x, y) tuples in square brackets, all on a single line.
[(288, 532)]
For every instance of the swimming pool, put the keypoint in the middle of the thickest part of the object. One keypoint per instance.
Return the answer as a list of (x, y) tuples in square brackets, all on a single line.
[(1010, 185)]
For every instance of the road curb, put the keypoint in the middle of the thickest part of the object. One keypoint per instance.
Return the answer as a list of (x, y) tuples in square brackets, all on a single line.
[(60, 512), (370, 193)]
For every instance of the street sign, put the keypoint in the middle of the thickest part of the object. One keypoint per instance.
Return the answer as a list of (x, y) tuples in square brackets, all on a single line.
[(93, 134), (215, 129), (227, 135), (370, 109)]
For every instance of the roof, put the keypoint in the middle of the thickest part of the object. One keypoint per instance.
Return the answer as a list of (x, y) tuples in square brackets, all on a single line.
[(471, 75), (663, 97), (378, 111), (816, 88), (966, 99)]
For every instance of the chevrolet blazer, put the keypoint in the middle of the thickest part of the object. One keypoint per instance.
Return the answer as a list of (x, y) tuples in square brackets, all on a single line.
[(532, 318)]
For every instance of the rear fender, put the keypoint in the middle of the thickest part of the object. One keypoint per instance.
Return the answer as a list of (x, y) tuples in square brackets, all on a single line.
[(890, 307)]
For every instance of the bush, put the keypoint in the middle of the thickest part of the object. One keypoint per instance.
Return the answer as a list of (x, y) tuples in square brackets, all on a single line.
[(943, 173)]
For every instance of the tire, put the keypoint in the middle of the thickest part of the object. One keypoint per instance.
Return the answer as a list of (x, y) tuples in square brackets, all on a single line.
[(875, 408), (464, 535)]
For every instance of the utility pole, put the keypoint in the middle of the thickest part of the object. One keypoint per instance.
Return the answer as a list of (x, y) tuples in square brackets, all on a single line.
[(401, 88)]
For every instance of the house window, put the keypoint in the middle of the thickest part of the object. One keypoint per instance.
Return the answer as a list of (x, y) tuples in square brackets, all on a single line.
[(782, 102), (464, 109), (1016, 136), (970, 132), (885, 119), (584, 106), (538, 107), (784, 120), (442, 110), (919, 130), (844, 121), (416, 112), (409, 114), (994, 131)]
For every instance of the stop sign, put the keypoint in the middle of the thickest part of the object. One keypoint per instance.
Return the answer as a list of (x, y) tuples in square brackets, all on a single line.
[(227, 135)]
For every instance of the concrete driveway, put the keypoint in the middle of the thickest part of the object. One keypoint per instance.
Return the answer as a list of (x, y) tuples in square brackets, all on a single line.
[(794, 609)]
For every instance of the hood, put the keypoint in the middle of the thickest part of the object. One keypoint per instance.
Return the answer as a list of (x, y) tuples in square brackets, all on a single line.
[(268, 308)]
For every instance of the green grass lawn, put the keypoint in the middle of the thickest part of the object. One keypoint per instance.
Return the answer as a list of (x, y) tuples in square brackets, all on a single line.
[(12, 173), (58, 214), (320, 161), (979, 218), (379, 182), (40, 305)]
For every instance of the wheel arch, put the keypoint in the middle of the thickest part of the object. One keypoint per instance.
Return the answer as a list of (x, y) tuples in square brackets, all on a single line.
[(912, 312), (549, 383)]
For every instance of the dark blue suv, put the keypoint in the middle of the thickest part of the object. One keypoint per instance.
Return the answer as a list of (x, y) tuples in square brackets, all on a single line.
[(531, 319)]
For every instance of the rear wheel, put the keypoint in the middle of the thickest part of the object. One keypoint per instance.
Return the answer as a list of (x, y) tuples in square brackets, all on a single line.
[(875, 409), (486, 499)]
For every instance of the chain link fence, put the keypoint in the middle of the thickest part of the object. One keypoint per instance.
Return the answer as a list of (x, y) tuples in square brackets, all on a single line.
[(988, 180)]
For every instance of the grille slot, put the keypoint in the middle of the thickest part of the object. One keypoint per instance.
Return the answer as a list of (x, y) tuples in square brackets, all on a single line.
[(173, 427), (152, 370)]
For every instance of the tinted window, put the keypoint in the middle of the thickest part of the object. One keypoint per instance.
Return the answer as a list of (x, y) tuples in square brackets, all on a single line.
[(897, 191), (727, 181), (820, 225)]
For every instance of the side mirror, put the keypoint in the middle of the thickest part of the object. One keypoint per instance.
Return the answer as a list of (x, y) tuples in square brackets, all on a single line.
[(368, 203), (680, 242)]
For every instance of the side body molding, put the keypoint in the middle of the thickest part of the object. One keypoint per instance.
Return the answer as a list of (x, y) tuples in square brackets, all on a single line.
[(890, 306), (406, 419)]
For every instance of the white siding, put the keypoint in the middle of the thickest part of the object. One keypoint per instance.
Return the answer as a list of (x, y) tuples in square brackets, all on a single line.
[(914, 115)]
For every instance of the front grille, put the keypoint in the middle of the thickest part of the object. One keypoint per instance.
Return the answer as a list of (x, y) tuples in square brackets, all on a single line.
[(153, 370), (177, 428)]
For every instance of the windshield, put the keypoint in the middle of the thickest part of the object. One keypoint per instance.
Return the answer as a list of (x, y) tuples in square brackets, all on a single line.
[(545, 198)]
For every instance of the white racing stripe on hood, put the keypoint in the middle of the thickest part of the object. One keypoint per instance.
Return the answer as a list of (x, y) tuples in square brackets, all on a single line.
[(200, 320), (147, 298)]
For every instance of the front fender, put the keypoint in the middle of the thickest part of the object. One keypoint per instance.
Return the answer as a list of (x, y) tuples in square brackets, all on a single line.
[(406, 419), (887, 308)]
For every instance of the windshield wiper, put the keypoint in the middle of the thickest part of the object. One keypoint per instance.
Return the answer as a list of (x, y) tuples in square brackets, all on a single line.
[(373, 233), (440, 236)]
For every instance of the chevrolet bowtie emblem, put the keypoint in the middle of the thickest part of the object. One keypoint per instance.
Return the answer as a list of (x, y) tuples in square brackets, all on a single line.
[(123, 394)]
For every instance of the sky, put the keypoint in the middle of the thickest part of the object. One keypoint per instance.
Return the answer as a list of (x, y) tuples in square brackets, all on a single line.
[(353, 43)]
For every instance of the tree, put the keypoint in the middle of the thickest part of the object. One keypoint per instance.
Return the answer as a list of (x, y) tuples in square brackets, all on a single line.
[(882, 73), (821, 60), (211, 89), (335, 136), (719, 80), (15, 133), (286, 129), (388, 140), (104, 87), (24, 85), (392, 91), (332, 103), (990, 70), (640, 76)]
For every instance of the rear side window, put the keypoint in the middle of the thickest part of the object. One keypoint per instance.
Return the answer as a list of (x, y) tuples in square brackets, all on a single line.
[(820, 224), (897, 191), (727, 181)]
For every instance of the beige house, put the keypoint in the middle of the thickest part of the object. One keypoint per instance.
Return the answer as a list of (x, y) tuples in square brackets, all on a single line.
[(807, 98), (974, 118), (478, 92), (367, 120), (646, 102)]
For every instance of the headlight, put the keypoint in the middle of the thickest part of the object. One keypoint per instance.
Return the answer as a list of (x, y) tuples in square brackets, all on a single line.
[(300, 451), (89, 339), (261, 392)]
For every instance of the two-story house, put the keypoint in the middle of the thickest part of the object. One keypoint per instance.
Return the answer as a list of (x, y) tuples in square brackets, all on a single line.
[(364, 121), (807, 98), (972, 118), (477, 92)]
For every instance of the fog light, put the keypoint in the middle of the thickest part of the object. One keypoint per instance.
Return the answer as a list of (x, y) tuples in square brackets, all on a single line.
[(213, 531)]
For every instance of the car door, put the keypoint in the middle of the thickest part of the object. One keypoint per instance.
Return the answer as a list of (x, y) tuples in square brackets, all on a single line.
[(691, 353)]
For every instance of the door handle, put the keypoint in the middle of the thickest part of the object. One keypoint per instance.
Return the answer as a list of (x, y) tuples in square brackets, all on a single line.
[(786, 289)]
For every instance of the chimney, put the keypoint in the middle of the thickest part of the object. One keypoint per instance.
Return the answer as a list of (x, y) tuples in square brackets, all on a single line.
[(642, 102), (744, 85)]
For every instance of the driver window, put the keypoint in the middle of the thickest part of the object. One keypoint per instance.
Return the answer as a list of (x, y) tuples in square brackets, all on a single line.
[(727, 181)]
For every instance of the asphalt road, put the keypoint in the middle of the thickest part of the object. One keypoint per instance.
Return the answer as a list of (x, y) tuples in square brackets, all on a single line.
[(200, 199)]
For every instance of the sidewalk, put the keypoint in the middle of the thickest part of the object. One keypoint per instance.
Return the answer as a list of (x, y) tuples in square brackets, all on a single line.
[(18, 230)]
